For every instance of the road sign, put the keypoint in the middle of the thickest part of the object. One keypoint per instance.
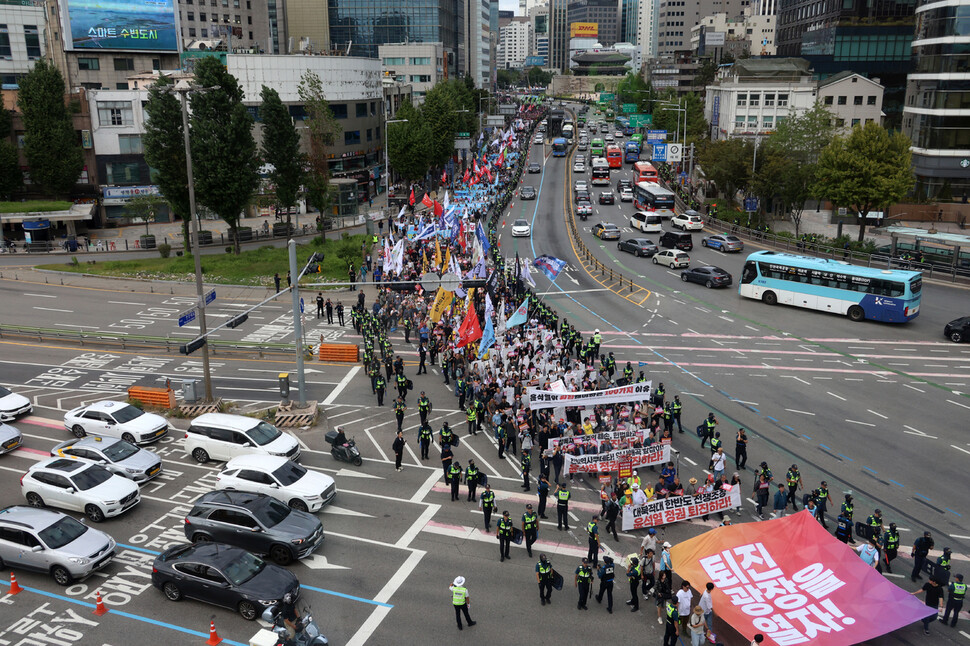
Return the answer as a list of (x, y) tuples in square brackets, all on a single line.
[(659, 152), (751, 204), (506, 108), (495, 120), (186, 317), (675, 152), (463, 135), (301, 305), (629, 107), (607, 96), (656, 135), (210, 296)]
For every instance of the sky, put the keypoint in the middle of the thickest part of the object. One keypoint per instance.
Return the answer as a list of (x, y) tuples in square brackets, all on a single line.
[(508, 5)]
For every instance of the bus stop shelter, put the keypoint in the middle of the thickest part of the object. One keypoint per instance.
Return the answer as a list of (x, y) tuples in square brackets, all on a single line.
[(937, 243)]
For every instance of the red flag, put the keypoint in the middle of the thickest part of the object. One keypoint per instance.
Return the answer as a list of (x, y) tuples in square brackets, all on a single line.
[(438, 209), (501, 159), (475, 166), (427, 201), (411, 199), (489, 173), (467, 175), (444, 176), (461, 236), (470, 330)]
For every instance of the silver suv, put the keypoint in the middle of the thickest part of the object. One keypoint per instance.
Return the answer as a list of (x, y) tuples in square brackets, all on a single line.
[(49, 541)]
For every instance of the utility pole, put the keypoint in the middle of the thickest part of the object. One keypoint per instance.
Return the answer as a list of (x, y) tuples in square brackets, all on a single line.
[(297, 322)]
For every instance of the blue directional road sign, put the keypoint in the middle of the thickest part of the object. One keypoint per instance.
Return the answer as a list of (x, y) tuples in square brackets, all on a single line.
[(751, 204), (210, 296), (659, 152), (186, 317), (656, 135), (301, 305)]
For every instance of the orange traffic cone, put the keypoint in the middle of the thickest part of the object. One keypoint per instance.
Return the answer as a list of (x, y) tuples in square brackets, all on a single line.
[(99, 609), (14, 586), (213, 635)]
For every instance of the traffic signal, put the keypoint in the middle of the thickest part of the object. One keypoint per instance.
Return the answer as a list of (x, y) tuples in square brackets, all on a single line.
[(235, 322), (192, 346)]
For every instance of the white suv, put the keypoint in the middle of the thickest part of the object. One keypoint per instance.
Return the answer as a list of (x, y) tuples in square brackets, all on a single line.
[(218, 436), (79, 486)]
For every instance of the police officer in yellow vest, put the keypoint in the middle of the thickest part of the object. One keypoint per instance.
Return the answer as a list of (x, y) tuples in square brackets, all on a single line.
[(584, 578), (672, 625), (454, 477), (562, 507), (530, 527), (593, 536), (890, 546), (459, 599), (504, 533), (633, 577), (471, 414), (944, 560), (544, 577), (958, 590), (399, 408)]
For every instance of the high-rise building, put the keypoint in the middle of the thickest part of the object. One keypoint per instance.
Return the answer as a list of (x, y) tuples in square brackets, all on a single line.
[(252, 26), (558, 34), (676, 18), (420, 65), (21, 42), (539, 16), (493, 34), (474, 46), (647, 21), (605, 13), (936, 115), (515, 43), (629, 16)]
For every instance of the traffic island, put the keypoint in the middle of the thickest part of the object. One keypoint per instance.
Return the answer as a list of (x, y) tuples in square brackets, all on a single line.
[(291, 415)]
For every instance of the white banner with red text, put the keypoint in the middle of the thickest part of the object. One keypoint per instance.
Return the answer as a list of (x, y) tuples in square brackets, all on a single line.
[(612, 460), (677, 508), (539, 398)]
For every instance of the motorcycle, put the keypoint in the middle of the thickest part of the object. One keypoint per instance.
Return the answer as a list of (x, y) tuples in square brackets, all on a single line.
[(344, 452), (307, 631)]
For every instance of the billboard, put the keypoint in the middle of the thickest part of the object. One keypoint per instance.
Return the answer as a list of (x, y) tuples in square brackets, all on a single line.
[(139, 25), (584, 30), (714, 39)]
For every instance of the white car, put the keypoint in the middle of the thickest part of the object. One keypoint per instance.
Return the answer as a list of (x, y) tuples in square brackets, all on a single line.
[(79, 486), (671, 258), (116, 419), (521, 228), (117, 456), (687, 222), (579, 167), (10, 438), (287, 481), (626, 195), (12, 405), (537, 139), (581, 185)]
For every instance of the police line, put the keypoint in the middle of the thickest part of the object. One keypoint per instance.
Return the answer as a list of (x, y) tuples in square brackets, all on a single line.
[(539, 398), (677, 508), (610, 461)]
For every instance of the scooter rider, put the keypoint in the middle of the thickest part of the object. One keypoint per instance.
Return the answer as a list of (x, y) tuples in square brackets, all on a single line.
[(341, 439), (290, 615)]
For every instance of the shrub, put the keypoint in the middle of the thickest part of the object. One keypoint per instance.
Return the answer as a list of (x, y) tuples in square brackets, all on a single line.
[(164, 250)]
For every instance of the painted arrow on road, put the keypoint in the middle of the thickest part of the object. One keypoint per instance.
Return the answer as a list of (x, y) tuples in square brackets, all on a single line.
[(343, 511), (318, 562)]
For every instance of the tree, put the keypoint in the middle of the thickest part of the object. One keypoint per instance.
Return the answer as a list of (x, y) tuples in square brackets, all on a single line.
[(281, 150), (727, 163), (11, 177), (507, 78), (408, 145), (225, 163), (706, 72), (144, 208), (633, 89), (164, 143), (537, 77), (441, 118), (867, 169), (322, 129), (51, 145)]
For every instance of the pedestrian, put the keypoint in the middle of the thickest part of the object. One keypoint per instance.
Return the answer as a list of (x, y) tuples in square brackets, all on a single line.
[(672, 627), (684, 599), (757, 639), (543, 490), (707, 605), (526, 468), (677, 408), (933, 596), (544, 578), (352, 275), (663, 592), (606, 575), (472, 475), (340, 313), (446, 457), (288, 280), (869, 552), (583, 580), (454, 477), (593, 537), (706, 429), (530, 528), (718, 462), (398, 448), (504, 534), (761, 495), (666, 565), (958, 590), (380, 387), (329, 308), (921, 547), (424, 407), (741, 449), (422, 357), (319, 304), (794, 480), (781, 502), (612, 512), (696, 627), (633, 576), (399, 409), (486, 502), (562, 507), (460, 599), (276, 281)]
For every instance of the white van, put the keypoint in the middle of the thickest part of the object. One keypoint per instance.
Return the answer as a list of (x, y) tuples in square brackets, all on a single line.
[(646, 222), (219, 436)]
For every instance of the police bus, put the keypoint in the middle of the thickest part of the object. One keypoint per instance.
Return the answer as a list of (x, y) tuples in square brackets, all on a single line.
[(889, 295)]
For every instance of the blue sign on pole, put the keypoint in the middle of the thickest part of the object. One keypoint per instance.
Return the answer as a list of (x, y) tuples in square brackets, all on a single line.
[(301, 305), (210, 296), (186, 317), (751, 204), (660, 152), (656, 135)]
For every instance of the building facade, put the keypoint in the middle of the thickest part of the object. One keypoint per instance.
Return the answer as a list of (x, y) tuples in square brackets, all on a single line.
[(647, 23), (420, 65), (676, 18), (749, 34), (22, 29), (852, 98), (558, 34), (475, 44), (515, 43), (254, 26), (605, 13), (676, 71), (539, 17)]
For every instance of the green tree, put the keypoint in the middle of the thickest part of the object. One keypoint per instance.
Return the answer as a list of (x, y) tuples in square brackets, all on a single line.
[(164, 144), (538, 78), (633, 89), (281, 150), (442, 120), (225, 163), (727, 163), (144, 208), (11, 177), (706, 72), (51, 145), (507, 78), (408, 144), (322, 129), (866, 170)]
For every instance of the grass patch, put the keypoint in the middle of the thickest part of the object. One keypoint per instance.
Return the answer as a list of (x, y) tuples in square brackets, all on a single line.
[(251, 267), (34, 205)]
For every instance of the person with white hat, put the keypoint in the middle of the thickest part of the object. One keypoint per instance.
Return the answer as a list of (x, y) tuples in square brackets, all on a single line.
[(459, 599), (639, 498)]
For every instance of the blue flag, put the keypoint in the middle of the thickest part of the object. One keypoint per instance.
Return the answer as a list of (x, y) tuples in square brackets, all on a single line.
[(549, 265), (520, 315), (488, 338), (482, 238)]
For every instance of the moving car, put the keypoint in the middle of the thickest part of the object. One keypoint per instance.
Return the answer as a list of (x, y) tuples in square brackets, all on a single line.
[(528, 193), (579, 166), (79, 486), (535, 167), (521, 228), (10, 438), (609, 139), (640, 247), (618, 134), (672, 258), (958, 330), (48, 541), (723, 242), (677, 240), (708, 275), (220, 436), (646, 222), (12, 405), (583, 145), (606, 231), (222, 575), (117, 456), (286, 481), (255, 522), (626, 195), (606, 197), (580, 186), (116, 419), (583, 196), (538, 138), (622, 183), (687, 222), (584, 209)]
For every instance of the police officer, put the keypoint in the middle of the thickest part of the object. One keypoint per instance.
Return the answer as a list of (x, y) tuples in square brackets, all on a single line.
[(445, 435), (459, 599), (921, 547), (741, 449), (446, 457), (593, 537), (843, 529), (707, 428), (319, 304), (562, 506), (424, 407), (471, 414), (822, 498), (890, 546), (794, 480), (584, 577), (487, 500), (504, 533), (633, 576), (471, 479), (399, 408), (380, 386), (424, 439), (847, 509), (543, 489), (530, 527), (526, 468), (874, 521), (659, 394), (402, 386), (668, 416), (454, 477), (373, 370), (544, 578), (677, 408), (944, 560), (422, 357), (606, 575), (460, 391), (958, 590), (672, 625)]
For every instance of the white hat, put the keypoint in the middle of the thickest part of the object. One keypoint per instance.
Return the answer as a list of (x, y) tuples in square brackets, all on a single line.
[(460, 580), (666, 544), (636, 486)]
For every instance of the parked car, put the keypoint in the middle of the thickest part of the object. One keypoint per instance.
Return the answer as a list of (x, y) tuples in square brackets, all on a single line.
[(48, 541), (255, 522), (708, 276), (10, 438), (222, 575), (13, 405), (687, 222), (723, 242), (606, 231), (958, 330), (117, 456), (677, 240), (646, 222), (287, 481), (78, 486), (672, 258), (535, 167), (606, 197), (528, 193), (638, 247), (220, 436), (116, 419), (521, 228)]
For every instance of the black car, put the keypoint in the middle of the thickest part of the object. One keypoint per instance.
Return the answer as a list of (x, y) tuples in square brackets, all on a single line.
[(958, 330), (535, 168), (528, 193), (707, 276), (606, 197), (222, 575), (583, 196), (677, 240), (638, 247), (255, 522), (623, 183)]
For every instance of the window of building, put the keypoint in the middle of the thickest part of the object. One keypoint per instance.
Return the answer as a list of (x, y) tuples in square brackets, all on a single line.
[(130, 144), (394, 60), (115, 113), (779, 121), (857, 100), (351, 137), (871, 120), (32, 41), (235, 3), (377, 132), (225, 3), (89, 64), (827, 100), (250, 35), (754, 100), (782, 100), (855, 122), (192, 32), (370, 134), (249, 20), (839, 122), (373, 108), (420, 78), (768, 123), (121, 86), (752, 122), (237, 19), (742, 100), (5, 49), (204, 33), (190, 15), (201, 16), (769, 100), (124, 64), (361, 109), (122, 173), (420, 60), (870, 100), (225, 18), (339, 110), (842, 100)]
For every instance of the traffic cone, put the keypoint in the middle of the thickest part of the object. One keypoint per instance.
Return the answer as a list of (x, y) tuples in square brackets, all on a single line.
[(213, 635), (14, 586), (99, 609)]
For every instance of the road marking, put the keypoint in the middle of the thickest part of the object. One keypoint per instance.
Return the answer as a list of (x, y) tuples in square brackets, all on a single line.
[(877, 414), (919, 390), (688, 460), (852, 421), (958, 448), (41, 295), (916, 431), (51, 309), (797, 379), (340, 387), (802, 412), (834, 395), (958, 404), (89, 327), (127, 303)]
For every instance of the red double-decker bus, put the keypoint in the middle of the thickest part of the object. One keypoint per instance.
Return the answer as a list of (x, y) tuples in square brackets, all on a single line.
[(614, 156)]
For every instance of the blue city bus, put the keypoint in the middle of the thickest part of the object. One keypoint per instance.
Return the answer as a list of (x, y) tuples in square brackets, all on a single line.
[(559, 147), (832, 286), (631, 152)]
